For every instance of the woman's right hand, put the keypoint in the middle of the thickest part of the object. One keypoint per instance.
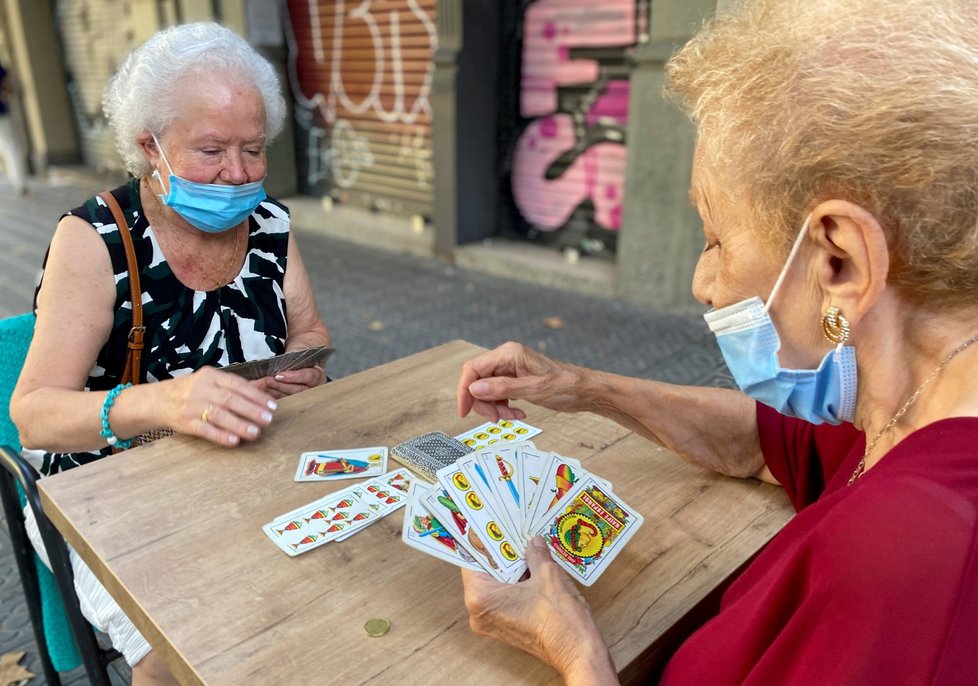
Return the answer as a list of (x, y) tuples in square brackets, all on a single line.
[(544, 615), (514, 372), (219, 406)]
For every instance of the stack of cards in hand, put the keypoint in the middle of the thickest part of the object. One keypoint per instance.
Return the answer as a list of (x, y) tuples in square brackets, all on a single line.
[(489, 503)]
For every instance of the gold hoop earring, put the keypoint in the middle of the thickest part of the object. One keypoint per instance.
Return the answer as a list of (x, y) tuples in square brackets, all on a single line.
[(835, 326)]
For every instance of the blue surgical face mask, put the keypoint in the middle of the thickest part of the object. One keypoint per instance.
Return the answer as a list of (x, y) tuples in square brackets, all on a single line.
[(210, 207), (750, 344)]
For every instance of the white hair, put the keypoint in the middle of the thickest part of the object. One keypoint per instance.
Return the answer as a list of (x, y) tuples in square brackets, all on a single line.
[(140, 97)]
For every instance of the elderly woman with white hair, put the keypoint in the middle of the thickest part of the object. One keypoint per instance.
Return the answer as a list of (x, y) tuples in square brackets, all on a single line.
[(836, 174), (222, 280)]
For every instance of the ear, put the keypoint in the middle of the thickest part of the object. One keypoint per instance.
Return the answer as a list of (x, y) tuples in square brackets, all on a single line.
[(148, 147), (853, 260)]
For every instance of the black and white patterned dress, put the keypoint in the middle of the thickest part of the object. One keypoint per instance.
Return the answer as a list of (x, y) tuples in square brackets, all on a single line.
[(185, 329)]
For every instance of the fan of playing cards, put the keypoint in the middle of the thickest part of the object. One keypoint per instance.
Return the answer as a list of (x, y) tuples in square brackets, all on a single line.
[(489, 503)]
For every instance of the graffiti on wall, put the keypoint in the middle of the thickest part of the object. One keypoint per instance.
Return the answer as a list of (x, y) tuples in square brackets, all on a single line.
[(361, 75), (574, 87)]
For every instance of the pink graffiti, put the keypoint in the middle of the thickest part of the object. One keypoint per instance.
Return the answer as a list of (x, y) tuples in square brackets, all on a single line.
[(611, 106), (597, 174), (551, 29)]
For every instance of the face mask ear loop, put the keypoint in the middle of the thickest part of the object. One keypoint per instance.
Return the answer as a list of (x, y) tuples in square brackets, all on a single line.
[(787, 264), (162, 154)]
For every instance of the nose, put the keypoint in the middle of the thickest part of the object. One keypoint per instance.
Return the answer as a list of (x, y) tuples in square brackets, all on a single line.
[(234, 168), (703, 280)]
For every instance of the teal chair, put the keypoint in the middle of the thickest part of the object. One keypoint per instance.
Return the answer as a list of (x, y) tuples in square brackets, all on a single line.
[(64, 638)]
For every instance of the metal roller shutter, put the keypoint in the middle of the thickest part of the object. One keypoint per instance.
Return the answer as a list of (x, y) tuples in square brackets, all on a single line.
[(361, 77)]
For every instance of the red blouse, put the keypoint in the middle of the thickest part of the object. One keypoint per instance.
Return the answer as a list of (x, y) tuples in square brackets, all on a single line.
[(874, 583)]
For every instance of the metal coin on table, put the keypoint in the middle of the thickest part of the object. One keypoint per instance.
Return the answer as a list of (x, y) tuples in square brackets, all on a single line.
[(376, 627)]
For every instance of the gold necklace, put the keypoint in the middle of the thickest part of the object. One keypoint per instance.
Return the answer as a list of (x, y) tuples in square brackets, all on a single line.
[(861, 467), (234, 259)]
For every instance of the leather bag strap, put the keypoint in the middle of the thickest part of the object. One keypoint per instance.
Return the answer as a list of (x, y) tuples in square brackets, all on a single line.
[(131, 372)]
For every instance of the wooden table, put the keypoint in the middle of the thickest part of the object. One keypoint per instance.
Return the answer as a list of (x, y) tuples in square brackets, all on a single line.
[(173, 530)]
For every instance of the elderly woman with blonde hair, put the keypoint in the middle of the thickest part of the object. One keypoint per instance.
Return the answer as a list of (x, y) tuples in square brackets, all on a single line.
[(836, 174), (221, 277)]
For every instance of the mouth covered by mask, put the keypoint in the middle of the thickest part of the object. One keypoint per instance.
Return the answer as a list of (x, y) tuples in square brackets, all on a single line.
[(210, 207), (750, 344)]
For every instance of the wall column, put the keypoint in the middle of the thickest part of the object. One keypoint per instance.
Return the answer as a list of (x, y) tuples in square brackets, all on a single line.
[(660, 238), (39, 70), (463, 104)]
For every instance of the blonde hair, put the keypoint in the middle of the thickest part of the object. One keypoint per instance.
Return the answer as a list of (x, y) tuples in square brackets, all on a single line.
[(872, 101)]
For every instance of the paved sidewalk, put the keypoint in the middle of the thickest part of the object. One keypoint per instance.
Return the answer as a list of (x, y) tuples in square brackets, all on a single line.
[(381, 306)]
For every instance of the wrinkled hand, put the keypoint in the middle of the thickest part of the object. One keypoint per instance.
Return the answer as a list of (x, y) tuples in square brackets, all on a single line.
[(291, 382), (544, 615), (219, 406), (514, 372)]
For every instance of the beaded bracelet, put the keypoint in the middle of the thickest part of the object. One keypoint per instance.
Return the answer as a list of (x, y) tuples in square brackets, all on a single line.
[(106, 432)]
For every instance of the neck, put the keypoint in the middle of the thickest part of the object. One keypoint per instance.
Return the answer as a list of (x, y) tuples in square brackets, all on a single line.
[(898, 350)]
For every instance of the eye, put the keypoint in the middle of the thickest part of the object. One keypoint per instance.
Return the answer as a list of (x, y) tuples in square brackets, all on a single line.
[(257, 152), (212, 151), (710, 245)]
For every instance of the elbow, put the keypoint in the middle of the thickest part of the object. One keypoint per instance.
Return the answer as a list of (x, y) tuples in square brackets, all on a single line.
[(17, 419), (18, 416)]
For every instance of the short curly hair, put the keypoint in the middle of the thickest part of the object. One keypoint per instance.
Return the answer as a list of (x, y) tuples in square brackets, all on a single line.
[(140, 96), (872, 101)]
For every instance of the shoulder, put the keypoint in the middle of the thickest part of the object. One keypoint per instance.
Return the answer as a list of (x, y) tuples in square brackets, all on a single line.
[(272, 216), (95, 212), (900, 532)]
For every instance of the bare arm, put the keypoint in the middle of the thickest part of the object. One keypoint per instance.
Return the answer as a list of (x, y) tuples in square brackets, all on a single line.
[(74, 319), (305, 326), (714, 428)]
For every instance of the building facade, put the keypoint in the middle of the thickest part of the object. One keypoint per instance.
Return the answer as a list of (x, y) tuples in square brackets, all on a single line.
[(535, 122)]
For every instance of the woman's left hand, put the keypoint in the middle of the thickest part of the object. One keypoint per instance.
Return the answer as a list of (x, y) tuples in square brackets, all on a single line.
[(292, 381), (544, 615)]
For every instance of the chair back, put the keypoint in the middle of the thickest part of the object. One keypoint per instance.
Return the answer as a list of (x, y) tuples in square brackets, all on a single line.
[(15, 338)]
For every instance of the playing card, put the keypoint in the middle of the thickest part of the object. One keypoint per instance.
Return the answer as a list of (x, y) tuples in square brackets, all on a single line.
[(383, 495), (296, 359), (556, 479), (428, 453), (319, 522), (423, 531), (588, 528), (484, 486), (438, 503), (503, 431), (331, 465), (498, 545), (501, 467), (532, 463)]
